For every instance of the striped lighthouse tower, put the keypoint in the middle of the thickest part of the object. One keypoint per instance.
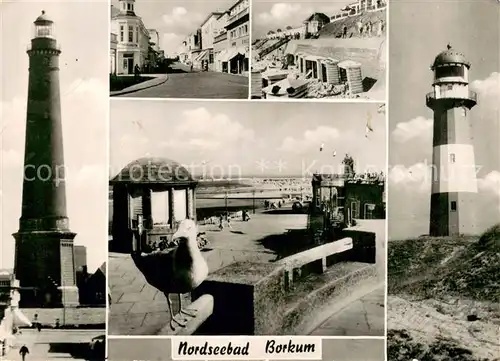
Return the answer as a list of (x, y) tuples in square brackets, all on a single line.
[(454, 182)]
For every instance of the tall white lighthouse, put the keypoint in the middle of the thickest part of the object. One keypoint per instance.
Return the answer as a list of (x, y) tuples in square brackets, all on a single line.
[(454, 183)]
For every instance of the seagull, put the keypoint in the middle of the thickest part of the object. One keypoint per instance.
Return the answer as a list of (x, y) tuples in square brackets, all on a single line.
[(179, 271), (334, 153), (138, 123), (321, 147)]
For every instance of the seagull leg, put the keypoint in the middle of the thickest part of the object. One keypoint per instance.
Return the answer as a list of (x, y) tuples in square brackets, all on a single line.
[(187, 311), (173, 321)]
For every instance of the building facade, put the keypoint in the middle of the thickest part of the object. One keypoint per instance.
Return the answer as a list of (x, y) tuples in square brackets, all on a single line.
[(191, 47), (221, 43), (132, 38), (112, 53), (209, 29), (238, 28)]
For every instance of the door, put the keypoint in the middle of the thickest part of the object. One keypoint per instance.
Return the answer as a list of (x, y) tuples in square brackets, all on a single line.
[(130, 65), (323, 73)]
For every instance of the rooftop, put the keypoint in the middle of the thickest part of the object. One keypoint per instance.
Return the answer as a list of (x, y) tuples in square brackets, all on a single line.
[(450, 56), (153, 170), (43, 19)]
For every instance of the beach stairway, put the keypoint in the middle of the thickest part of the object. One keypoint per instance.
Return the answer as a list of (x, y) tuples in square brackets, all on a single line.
[(273, 47), (260, 43)]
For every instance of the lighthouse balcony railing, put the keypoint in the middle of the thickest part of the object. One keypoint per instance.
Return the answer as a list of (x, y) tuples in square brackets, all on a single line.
[(431, 97)]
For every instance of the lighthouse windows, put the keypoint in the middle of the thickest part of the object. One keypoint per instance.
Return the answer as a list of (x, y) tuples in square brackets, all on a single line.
[(450, 71), (449, 87), (453, 206), (452, 157)]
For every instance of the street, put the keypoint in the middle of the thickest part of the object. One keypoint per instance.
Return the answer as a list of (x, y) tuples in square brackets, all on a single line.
[(52, 344), (182, 83)]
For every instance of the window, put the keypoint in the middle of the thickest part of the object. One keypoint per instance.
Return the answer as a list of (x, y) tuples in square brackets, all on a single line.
[(452, 157), (449, 87), (125, 63), (129, 7), (130, 34), (446, 71), (137, 34), (121, 33), (453, 206)]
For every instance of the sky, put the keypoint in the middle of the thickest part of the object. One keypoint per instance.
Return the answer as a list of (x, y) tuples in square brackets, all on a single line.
[(80, 28), (272, 15), (418, 32), (247, 138), (174, 20)]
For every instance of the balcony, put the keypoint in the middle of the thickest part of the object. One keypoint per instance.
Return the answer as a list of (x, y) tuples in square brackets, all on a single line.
[(453, 96), (220, 37), (238, 16)]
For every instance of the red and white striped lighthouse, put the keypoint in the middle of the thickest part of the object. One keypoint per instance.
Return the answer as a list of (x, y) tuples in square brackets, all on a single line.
[(454, 182)]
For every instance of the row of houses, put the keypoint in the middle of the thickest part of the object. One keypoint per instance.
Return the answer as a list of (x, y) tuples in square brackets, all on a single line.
[(359, 7), (132, 43), (222, 41), (316, 21)]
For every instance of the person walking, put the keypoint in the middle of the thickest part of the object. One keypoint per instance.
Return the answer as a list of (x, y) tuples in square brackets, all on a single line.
[(137, 72), (221, 222), (359, 24), (23, 351), (344, 32), (229, 221)]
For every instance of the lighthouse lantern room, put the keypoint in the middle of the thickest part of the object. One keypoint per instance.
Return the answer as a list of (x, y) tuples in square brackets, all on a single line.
[(44, 27)]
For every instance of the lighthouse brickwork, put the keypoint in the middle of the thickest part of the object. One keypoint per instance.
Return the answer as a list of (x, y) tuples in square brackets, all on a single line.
[(44, 257), (454, 183)]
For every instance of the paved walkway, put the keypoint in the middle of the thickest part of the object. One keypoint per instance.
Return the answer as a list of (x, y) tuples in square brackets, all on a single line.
[(204, 85), (158, 80), (363, 317), (50, 345)]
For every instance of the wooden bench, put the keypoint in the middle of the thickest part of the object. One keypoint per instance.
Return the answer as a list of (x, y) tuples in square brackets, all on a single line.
[(319, 253)]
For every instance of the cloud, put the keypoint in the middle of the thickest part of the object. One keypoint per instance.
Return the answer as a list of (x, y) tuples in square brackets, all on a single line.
[(171, 43), (311, 139), (418, 127), (182, 21), (280, 12), (489, 86), (217, 128), (491, 183), (416, 177)]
